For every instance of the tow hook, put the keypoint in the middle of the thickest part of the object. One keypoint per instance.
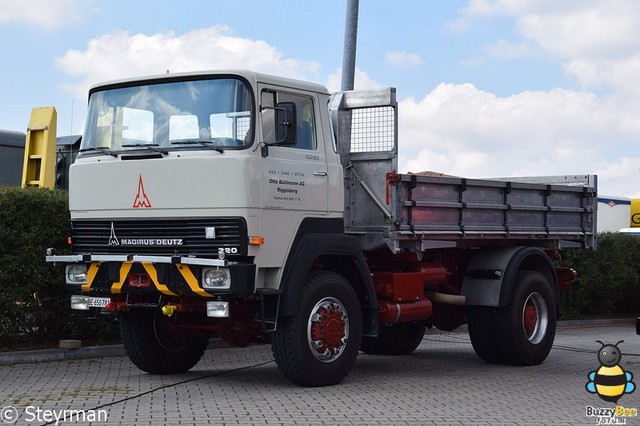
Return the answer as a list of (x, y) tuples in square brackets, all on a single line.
[(168, 310)]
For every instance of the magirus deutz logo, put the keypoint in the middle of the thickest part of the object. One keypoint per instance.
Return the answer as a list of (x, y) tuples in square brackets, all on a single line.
[(142, 242), (141, 200)]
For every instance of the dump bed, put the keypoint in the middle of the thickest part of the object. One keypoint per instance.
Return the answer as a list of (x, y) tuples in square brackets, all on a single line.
[(429, 210)]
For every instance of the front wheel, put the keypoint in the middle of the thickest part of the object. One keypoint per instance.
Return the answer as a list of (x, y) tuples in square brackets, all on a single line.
[(525, 329), (319, 344), (153, 346)]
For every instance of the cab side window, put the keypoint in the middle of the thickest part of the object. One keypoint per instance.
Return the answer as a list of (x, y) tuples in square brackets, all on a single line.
[(305, 118)]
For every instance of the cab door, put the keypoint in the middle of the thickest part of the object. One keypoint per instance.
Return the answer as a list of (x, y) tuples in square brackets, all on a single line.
[(295, 174), (294, 177)]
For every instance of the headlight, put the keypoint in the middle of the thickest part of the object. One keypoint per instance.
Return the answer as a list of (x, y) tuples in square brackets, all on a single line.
[(216, 309), (216, 278), (76, 274)]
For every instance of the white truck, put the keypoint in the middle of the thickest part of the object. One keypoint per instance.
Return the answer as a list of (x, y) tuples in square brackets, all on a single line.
[(249, 207), (614, 213)]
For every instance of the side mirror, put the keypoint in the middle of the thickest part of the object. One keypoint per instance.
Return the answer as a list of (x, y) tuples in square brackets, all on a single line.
[(284, 124)]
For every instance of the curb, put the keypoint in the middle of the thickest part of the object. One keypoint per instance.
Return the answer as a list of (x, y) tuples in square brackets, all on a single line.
[(595, 323), (49, 355)]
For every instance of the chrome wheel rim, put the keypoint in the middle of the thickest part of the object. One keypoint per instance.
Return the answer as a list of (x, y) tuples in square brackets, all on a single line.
[(535, 318), (328, 329)]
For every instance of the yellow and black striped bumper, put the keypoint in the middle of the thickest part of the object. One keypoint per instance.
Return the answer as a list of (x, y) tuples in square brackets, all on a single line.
[(169, 276)]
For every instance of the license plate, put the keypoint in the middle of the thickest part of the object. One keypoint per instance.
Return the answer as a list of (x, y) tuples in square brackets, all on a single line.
[(97, 302)]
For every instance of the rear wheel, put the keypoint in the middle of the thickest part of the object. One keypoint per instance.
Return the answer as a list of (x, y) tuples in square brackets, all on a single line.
[(319, 344), (154, 347), (396, 339), (483, 334), (525, 329)]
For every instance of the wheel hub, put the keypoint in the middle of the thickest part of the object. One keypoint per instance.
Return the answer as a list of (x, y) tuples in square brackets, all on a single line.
[(535, 318), (530, 319), (328, 329)]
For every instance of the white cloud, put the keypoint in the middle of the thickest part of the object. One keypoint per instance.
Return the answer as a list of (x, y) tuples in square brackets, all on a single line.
[(119, 54), (402, 59), (460, 130), (361, 81), (621, 77), (581, 29), (47, 14), (597, 42), (624, 172)]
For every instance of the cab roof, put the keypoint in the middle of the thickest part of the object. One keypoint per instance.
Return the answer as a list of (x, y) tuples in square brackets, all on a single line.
[(252, 77)]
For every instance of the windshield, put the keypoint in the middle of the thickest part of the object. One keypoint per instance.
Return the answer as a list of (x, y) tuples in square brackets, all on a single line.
[(215, 113)]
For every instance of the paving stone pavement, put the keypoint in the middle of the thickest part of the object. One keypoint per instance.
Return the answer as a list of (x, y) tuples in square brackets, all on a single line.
[(441, 383)]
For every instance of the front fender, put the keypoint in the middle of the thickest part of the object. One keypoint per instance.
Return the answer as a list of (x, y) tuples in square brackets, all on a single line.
[(339, 253)]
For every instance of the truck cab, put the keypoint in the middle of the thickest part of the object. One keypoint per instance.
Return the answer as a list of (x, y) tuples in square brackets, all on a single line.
[(202, 166)]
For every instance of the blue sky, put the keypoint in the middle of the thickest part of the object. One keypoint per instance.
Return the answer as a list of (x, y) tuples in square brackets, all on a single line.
[(486, 87)]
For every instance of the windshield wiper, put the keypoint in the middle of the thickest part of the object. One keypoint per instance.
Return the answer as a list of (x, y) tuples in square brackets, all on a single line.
[(205, 143), (149, 146), (104, 149)]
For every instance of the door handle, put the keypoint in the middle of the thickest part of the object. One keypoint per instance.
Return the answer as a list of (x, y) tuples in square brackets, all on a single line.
[(319, 173)]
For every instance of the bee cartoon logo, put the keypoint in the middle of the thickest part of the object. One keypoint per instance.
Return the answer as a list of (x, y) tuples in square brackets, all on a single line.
[(610, 381)]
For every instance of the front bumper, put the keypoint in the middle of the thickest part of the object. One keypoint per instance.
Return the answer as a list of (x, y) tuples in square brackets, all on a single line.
[(166, 275)]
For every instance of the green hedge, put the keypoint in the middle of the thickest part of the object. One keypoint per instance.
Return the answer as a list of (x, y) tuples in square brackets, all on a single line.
[(34, 300), (608, 283)]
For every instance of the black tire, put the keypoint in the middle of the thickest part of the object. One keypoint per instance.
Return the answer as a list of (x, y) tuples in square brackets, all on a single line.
[(525, 329), (149, 345), (319, 344), (482, 333), (396, 339)]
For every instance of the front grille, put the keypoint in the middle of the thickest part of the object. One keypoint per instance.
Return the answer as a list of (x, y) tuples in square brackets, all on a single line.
[(160, 237)]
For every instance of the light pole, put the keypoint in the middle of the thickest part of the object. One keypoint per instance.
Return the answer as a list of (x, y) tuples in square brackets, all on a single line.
[(350, 40)]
